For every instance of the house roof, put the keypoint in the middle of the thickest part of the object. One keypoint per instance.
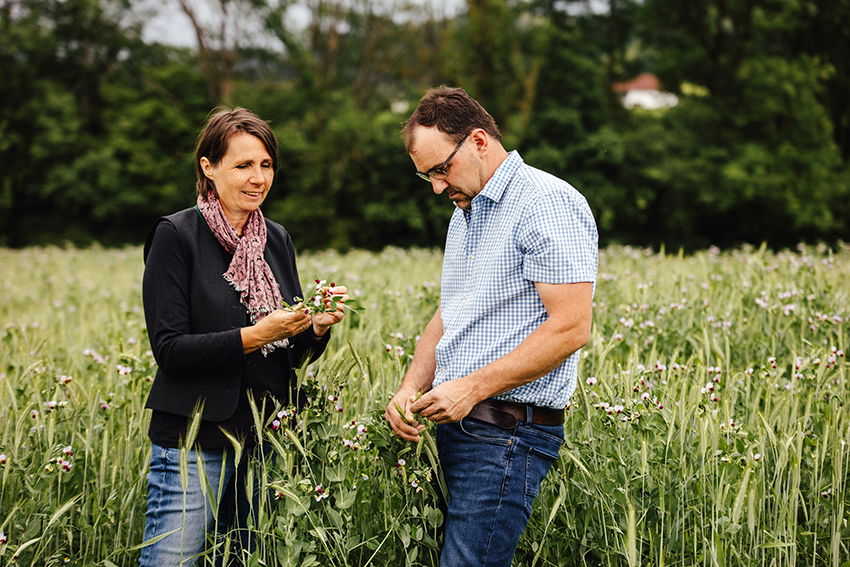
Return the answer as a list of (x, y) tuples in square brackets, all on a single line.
[(644, 81)]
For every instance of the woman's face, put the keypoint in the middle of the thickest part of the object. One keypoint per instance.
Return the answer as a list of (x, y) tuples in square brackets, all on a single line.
[(242, 178)]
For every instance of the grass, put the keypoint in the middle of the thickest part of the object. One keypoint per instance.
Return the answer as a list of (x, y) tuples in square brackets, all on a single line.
[(710, 425)]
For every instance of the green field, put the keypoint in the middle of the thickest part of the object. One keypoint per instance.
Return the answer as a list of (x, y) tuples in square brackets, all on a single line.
[(710, 425)]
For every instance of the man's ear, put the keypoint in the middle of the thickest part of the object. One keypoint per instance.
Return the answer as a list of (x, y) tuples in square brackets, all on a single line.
[(481, 140), (207, 167)]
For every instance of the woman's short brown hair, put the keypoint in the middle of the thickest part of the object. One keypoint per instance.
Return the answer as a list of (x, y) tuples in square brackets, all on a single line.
[(215, 138), (453, 112)]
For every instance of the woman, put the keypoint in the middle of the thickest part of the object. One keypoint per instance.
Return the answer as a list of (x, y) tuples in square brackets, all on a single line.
[(215, 277)]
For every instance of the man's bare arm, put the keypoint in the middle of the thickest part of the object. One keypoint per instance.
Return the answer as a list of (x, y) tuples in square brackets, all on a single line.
[(565, 331), (418, 378)]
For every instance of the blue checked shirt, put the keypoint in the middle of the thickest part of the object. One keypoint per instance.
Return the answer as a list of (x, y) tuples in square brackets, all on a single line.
[(525, 226)]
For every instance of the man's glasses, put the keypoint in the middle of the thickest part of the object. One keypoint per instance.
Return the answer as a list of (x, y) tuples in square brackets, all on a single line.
[(442, 171)]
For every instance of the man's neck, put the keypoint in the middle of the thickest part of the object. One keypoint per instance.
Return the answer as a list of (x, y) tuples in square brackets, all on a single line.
[(494, 158)]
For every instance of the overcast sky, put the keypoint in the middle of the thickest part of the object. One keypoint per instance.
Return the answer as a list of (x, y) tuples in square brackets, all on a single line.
[(170, 25)]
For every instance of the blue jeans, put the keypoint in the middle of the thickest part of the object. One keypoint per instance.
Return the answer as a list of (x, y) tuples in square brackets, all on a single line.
[(221, 503), (493, 476)]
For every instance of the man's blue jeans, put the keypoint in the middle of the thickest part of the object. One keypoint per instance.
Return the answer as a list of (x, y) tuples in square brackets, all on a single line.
[(220, 504), (492, 475)]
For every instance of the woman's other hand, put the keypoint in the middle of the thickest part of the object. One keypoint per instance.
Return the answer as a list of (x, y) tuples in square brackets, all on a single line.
[(323, 321), (276, 325)]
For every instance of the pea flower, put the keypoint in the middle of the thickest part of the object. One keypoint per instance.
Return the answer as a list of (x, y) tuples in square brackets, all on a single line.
[(324, 298)]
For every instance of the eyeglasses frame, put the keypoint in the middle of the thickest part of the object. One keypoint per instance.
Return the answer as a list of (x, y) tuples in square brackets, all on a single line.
[(441, 171)]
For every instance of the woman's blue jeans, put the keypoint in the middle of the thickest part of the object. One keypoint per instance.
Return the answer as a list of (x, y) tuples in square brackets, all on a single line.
[(217, 505), (493, 476)]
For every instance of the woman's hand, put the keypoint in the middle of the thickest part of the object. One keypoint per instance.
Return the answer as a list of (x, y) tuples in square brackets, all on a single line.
[(323, 321), (276, 325)]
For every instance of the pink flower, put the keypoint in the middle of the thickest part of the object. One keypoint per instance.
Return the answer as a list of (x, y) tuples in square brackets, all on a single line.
[(321, 493)]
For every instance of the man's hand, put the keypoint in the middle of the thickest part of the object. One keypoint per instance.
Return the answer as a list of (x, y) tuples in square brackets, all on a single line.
[(400, 418), (449, 402)]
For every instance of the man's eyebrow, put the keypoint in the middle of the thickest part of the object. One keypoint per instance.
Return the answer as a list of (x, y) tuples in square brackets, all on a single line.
[(435, 167)]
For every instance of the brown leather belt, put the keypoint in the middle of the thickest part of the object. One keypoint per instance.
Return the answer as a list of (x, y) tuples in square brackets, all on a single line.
[(506, 414)]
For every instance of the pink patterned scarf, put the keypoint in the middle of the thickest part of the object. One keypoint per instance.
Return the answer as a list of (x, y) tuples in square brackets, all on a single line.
[(248, 273)]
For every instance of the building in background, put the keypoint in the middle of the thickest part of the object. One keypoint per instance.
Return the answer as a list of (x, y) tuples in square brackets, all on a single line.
[(644, 91)]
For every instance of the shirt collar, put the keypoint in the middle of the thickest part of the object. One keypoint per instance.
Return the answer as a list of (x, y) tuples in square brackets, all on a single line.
[(495, 187)]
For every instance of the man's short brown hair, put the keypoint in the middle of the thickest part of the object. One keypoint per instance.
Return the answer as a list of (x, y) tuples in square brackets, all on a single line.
[(453, 112)]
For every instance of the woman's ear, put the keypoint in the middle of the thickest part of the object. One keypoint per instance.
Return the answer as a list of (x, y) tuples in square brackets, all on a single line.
[(207, 168)]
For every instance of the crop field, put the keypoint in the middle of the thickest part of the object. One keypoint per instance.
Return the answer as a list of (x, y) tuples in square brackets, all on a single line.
[(710, 425)]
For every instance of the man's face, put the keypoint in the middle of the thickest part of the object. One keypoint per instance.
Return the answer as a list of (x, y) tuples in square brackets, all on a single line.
[(465, 171)]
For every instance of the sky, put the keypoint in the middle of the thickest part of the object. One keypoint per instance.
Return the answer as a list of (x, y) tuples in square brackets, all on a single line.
[(170, 25)]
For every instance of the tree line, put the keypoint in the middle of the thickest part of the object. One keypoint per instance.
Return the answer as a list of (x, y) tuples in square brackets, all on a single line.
[(97, 123)]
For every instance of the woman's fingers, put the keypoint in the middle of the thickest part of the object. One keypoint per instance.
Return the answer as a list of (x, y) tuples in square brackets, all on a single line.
[(288, 323)]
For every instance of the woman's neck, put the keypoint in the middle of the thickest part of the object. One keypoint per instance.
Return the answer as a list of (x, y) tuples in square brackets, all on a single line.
[(236, 221)]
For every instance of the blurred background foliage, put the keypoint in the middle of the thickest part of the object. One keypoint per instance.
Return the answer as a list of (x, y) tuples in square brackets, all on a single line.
[(98, 120)]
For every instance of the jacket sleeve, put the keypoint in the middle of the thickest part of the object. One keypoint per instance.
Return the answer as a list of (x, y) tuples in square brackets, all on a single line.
[(305, 347), (166, 295)]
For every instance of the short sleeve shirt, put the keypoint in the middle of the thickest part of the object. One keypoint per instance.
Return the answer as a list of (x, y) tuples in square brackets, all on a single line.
[(525, 226)]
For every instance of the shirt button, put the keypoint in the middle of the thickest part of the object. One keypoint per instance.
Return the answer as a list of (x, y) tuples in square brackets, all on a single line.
[(470, 257)]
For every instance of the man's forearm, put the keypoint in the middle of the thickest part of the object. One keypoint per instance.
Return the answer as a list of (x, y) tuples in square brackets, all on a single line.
[(540, 353), (420, 375)]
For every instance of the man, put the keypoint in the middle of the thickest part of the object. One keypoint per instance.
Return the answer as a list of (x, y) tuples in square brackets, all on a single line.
[(497, 362)]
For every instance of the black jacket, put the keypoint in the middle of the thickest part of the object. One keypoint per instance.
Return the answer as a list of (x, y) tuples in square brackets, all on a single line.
[(194, 318)]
